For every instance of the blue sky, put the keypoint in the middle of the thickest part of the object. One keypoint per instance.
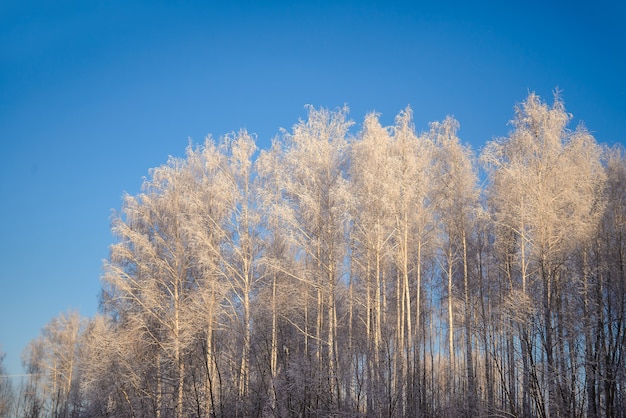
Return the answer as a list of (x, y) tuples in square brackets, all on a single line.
[(95, 93)]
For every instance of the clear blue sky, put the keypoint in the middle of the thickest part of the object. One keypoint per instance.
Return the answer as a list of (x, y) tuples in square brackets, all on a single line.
[(94, 93)]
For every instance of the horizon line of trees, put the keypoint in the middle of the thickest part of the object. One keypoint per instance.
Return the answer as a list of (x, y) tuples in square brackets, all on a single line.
[(390, 273)]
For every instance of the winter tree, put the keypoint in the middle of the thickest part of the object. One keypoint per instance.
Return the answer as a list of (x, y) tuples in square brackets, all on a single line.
[(6, 390), (371, 174), (546, 181), (52, 362), (313, 186), (457, 202), (148, 280)]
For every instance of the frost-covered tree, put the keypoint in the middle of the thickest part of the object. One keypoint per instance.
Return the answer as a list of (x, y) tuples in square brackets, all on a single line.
[(52, 362), (6, 390), (210, 197), (184, 269), (545, 185), (371, 176), (391, 178), (413, 222), (456, 195), (241, 245), (33, 395), (296, 366), (604, 291), (104, 374), (148, 280), (313, 205)]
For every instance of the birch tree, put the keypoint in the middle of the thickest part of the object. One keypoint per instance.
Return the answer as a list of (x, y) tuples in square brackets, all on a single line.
[(211, 196), (545, 183), (371, 180), (6, 389), (242, 245), (605, 297), (52, 361), (147, 279), (290, 286), (314, 186), (33, 393), (413, 223), (101, 374), (457, 196)]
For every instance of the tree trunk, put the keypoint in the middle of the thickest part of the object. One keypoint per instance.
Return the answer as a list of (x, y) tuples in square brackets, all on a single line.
[(452, 363), (471, 386)]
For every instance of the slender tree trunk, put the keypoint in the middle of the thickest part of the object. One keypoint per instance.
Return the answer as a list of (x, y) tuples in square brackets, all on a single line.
[(369, 393), (417, 392), (352, 357), (246, 277), (307, 353), (379, 308), (320, 312), (398, 352), (245, 350), (274, 349), (514, 389), (487, 337), (452, 363), (407, 320), (209, 360), (178, 358), (332, 364), (159, 388), (589, 364), (548, 342), (525, 343), (471, 387), (181, 387)]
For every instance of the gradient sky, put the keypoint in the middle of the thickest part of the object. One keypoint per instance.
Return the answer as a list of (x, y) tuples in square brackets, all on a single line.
[(95, 93)]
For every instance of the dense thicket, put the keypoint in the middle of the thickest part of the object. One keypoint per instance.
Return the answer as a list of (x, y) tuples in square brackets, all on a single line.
[(389, 273)]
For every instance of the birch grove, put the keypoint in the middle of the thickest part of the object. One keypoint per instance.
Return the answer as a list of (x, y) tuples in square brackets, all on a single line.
[(369, 271)]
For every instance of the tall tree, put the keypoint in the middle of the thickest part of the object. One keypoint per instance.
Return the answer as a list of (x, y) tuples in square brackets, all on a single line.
[(413, 224), (457, 200), (606, 298), (211, 196), (545, 182), (52, 362), (313, 182), (372, 178), (148, 279), (242, 243), (6, 390)]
